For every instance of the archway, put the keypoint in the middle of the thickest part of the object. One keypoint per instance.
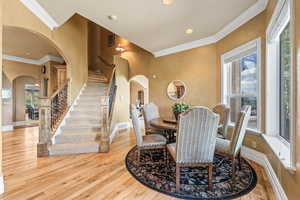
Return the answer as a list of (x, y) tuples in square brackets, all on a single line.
[(139, 90), (25, 97)]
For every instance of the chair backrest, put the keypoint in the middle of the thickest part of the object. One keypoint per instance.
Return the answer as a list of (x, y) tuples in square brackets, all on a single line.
[(240, 130), (224, 112), (136, 125), (150, 111), (196, 138)]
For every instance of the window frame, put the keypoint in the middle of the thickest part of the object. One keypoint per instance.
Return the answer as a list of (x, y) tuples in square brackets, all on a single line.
[(238, 52), (284, 150)]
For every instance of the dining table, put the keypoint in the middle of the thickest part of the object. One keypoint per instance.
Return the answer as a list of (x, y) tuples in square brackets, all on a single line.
[(168, 126)]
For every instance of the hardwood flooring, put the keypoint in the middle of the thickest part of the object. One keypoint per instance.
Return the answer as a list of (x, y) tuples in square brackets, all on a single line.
[(87, 176)]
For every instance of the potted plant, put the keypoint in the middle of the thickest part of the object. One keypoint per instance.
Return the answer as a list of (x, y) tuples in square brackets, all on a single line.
[(179, 108)]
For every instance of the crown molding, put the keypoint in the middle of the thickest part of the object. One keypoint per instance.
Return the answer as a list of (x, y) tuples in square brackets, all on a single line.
[(41, 61), (40, 12), (251, 12)]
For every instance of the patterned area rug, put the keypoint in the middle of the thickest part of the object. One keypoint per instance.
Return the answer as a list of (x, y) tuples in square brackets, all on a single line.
[(156, 175)]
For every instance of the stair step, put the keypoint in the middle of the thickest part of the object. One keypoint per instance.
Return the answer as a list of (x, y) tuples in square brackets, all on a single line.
[(86, 113), (72, 129), (75, 138), (83, 121), (74, 148)]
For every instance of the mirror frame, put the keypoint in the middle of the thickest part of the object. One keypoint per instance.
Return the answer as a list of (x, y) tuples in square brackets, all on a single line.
[(176, 99)]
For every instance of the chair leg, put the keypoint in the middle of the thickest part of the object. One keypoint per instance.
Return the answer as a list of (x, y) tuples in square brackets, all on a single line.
[(165, 155), (139, 155), (177, 177), (210, 168), (233, 168), (240, 160)]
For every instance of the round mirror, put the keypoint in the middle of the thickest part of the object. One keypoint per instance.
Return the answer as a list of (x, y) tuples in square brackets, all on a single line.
[(176, 90)]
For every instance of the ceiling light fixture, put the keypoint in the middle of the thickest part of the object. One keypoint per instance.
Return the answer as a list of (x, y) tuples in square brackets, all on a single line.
[(112, 17), (119, 48), (167, 2), (189, 31)]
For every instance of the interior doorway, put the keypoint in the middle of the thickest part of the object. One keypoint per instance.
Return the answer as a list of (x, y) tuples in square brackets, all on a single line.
[(26, 91)]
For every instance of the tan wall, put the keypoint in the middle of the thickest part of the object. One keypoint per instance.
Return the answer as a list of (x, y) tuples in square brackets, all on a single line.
[(197, 68), (14, 69), (70, 39), (122, 101), (1, 24), (7, 104)]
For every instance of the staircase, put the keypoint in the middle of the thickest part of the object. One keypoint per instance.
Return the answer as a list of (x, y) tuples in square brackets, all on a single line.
[(97, 76), (79, 131)]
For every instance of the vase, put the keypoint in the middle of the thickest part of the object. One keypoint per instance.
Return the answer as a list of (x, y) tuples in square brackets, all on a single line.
[(176, 114)]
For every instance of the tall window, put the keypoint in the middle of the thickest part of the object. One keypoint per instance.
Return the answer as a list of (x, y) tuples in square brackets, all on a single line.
[(285, 83), (240, 81)]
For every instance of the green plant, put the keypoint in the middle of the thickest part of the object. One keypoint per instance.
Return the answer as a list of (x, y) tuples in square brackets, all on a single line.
[(179, 108)]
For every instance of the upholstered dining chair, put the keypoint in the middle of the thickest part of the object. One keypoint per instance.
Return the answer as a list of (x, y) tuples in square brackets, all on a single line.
[(150, 112), (147, 142), (196, 139), (232, 148), (223, 111)]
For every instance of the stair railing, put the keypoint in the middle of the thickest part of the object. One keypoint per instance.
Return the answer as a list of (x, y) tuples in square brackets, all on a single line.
[(107, 64), (107, 106), (52, 111)]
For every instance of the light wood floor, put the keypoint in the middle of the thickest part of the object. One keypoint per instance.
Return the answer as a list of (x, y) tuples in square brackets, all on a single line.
[(87, 176)]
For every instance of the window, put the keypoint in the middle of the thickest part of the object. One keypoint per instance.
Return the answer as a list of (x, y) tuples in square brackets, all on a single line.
[(240, 85), (279, 85), (285, 84)]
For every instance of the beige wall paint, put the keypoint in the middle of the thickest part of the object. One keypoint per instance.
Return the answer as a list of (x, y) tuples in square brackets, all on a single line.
[(1, 27), (197, 68), (14, 69), (122, 101), (7, 104), (70, 39)]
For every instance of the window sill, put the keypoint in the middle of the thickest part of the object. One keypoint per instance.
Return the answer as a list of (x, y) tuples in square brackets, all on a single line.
[(248, 130), (281, 150)]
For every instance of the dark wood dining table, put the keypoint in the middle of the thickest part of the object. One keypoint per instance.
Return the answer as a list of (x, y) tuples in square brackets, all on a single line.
[(169, 127)]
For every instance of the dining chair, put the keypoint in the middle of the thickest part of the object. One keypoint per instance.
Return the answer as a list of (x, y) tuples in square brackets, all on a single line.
[(196, 139), (150, 112), (232, 148), (224, 112), (147, 142)]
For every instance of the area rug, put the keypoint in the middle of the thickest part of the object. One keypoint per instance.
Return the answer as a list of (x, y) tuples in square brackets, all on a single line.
[(154, 173)]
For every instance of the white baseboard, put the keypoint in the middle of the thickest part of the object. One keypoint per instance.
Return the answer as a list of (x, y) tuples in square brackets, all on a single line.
[(117, 128), (7, 128), (1, 185), (262, 160)]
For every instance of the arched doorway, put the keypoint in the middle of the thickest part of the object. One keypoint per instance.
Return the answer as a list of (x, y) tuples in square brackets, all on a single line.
[(26, 90), (139, 90), (31, 62)]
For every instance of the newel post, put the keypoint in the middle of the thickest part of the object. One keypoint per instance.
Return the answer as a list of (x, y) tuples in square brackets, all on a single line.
[(44, 127), (104, 137)]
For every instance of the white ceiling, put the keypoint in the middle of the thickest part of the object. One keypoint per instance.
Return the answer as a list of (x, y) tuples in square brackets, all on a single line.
[(153, 26)]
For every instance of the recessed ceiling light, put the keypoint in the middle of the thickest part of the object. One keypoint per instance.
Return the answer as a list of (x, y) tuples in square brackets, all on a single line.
[(112, 17), (189, 31), (167, 2)]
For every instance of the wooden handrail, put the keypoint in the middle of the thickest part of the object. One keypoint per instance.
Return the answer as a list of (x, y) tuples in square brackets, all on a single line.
[(110, 81), (105, 62), (59, 89)]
